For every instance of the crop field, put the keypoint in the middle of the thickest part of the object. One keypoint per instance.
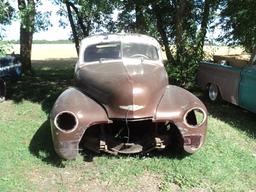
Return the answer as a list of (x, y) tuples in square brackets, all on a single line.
[(53, 51), (227, 161)]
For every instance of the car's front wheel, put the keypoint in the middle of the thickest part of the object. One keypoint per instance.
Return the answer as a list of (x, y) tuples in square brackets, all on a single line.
[(213, 92), (2, 90)]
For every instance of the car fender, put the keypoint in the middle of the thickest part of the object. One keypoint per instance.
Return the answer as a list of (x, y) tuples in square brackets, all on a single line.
[(86, 112), (174, 106)]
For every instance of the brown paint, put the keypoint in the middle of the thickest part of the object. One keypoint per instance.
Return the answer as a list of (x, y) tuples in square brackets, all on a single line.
[(136, 96)]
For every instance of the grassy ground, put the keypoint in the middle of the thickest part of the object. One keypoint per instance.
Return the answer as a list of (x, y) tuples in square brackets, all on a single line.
[(227, 161)]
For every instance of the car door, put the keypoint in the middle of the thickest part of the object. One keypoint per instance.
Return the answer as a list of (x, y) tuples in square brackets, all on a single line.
[(247, 89)]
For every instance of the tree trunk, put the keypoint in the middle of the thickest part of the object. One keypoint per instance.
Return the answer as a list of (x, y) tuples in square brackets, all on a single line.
[(140, 20), (73, 27), (26, 33), (161, 29), (203, 29), (179, 41), (26, 39), (80, 20)]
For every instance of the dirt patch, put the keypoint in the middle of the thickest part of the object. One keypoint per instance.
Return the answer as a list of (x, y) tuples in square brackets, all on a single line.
[(88, 180), (148, 182), (199, 190)]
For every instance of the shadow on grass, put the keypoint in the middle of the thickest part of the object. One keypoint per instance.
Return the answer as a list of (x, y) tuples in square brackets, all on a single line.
[(233, 115), (54, 76), (41, 145), (169, 153), (49, 79)]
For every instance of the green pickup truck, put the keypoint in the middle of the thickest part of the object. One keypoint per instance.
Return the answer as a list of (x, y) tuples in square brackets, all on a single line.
[(231, 79)]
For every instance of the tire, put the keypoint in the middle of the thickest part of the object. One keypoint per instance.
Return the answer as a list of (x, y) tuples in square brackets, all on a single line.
[(2, 90), (213, 92)]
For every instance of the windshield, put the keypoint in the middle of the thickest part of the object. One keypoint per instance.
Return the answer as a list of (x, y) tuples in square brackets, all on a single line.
[(135, 50), (102, 51), (105, 51)]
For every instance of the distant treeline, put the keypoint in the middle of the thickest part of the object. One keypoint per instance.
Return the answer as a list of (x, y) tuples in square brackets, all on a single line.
[(42, 42), (207, 43)]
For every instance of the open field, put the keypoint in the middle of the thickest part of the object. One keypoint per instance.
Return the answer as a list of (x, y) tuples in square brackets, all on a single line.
[(51, 51), (227, 161)]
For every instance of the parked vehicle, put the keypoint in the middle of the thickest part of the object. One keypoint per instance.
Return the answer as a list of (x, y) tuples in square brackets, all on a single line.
[(122, 103), (231, 79), (10, 68)]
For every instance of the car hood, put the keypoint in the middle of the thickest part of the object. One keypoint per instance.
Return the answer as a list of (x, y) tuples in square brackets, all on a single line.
[(127, 89)]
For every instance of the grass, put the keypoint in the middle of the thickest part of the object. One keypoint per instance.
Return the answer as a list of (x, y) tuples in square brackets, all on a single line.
[(227, 161)]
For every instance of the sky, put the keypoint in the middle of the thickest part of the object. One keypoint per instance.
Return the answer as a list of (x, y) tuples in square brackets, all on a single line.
[(55, 32)]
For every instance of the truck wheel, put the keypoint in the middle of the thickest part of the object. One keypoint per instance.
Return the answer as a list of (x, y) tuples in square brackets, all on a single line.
[(2, 90), (213, 92)]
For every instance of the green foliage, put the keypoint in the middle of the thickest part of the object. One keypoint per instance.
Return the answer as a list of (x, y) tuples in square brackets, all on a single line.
[(90, 17), (26, 15), (4, 48), (184, 73), (6, 15), (239, 24), (31, 19), (6, 12), (180, 26)]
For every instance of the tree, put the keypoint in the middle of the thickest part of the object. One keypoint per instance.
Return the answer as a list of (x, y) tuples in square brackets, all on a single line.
[(27, 11), (237, 20), (86, 17), (31, 20), (180, 25), (239, 23), (6, 15), (132, 16)]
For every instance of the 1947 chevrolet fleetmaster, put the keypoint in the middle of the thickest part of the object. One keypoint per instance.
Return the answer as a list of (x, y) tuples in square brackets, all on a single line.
[(122, 103)]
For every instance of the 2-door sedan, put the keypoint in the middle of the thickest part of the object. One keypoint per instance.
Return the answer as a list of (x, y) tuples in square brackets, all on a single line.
[(122, 103)]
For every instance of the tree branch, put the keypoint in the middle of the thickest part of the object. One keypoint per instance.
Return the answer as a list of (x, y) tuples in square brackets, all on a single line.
[(73, 27)]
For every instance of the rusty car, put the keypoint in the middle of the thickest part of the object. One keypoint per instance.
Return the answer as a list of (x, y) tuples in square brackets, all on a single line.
[(121, 102), (231, 78)]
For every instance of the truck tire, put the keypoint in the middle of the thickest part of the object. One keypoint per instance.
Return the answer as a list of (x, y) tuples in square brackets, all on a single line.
[(213, 92), (2, 90)]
